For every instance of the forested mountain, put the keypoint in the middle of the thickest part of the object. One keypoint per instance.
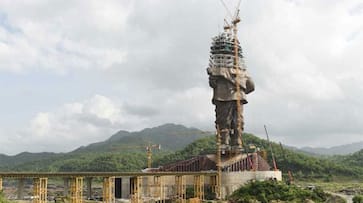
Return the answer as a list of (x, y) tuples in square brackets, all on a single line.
[(336, 150), (171, 137), (113, 155)]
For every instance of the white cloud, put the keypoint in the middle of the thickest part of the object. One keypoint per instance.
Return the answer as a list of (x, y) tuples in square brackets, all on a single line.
[(305, 58), (44, 36)]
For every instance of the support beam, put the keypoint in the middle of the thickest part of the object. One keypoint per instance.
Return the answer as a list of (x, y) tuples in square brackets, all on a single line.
[(65, 186), (89, 187), (136, 189), (180, 187), (199, 187), (215, 185), (40, 190), (159, 190), (20, 188), (76, 192), (109, 190)]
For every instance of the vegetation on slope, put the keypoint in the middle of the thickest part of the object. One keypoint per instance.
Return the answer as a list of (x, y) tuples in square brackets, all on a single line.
[(268, 191), (123, 145), (304, 167)]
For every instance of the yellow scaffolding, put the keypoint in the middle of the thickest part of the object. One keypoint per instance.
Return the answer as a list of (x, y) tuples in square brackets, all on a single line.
[(136, 189), (199, 187), (218, 180), (109, 189), (40, 190), (76, 192), (180, 189), (159, 190), (213, 183)]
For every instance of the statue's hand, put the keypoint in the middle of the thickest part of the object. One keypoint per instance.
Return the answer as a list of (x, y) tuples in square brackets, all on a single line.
[(213, 81)]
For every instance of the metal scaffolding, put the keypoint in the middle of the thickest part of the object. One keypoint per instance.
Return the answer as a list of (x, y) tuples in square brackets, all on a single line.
[(159, 188), (180, 187), (40, 190), (218, 180), (136, 189), (109, 190), (76, 192), (199, 187)]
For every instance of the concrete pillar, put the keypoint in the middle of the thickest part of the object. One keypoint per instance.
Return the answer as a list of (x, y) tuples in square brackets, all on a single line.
[(125, 188), (89, 187), (21, 188), (66, 186), (1, 183)]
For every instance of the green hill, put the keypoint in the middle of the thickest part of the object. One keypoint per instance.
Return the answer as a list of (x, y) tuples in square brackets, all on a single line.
[(123, 144), (169, 136), (124, 151)]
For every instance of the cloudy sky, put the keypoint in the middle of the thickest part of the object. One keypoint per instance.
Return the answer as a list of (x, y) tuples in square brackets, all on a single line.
[(75, 72)]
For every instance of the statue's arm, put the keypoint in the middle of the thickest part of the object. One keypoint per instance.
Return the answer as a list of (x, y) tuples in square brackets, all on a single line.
[(250, 85)]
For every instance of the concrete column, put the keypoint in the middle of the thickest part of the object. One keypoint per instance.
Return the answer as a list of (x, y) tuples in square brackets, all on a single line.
[(89, 187), (1, 183), (66, 186), (21, 188), (125, 188)]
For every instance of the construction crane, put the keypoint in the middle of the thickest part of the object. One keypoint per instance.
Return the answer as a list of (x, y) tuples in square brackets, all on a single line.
[(149, 151), (232, 26), (234, 21), (272, 152)]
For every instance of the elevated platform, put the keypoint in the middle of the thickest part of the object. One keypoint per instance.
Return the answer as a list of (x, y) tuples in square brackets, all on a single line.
[(229, 163)]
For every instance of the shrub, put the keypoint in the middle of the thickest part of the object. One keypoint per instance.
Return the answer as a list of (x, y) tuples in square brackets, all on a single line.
[(358, 199)]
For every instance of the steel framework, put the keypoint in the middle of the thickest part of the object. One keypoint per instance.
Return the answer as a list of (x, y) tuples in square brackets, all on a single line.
[(136, 189), (180, 187), (76, 192), (40, 190), (109, 190), (199, 187), (159, 192)]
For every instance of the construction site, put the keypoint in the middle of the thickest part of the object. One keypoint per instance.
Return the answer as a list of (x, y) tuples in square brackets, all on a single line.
[(205, 177)]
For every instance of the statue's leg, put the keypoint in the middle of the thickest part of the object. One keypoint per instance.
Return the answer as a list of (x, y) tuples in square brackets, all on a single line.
[(223, 120), (236, 137)]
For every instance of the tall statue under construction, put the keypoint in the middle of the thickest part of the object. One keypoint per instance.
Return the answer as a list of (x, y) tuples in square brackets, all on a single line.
[(230, 82)]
